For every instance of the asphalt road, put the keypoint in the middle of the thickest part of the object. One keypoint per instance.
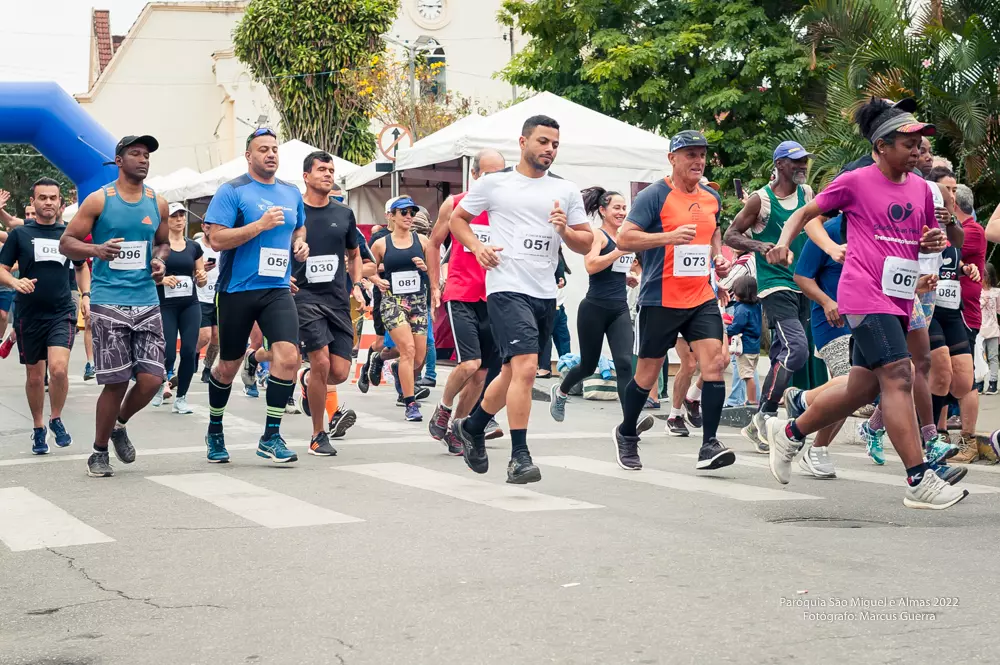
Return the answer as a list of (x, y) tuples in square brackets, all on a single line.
[(394, 552)]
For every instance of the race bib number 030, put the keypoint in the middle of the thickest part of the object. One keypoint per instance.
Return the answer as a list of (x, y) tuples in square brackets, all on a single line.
[(183, 288), (623, 263), (131, 257), (537, 246), (47, 250), (691, 260), (949, 294), (482, 232), (273, 262), (899, 277), (407, 281), (322, 269)]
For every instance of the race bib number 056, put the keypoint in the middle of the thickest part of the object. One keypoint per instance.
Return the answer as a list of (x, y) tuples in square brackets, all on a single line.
[(407, 281), (131, 257), (691, 261), (899, 277), (273, 262)]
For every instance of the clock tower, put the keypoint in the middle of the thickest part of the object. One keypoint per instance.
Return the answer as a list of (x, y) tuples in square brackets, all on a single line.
[(429, 14)]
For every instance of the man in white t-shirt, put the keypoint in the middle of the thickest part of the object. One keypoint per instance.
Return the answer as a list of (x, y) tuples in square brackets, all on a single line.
[(531, 213), (208, 335)]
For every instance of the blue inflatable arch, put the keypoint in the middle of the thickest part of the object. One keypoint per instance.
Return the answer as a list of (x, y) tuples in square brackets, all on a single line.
[(45, 116)]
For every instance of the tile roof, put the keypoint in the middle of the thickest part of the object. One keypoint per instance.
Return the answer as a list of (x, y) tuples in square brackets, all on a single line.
[(102, 35), (116, 41)]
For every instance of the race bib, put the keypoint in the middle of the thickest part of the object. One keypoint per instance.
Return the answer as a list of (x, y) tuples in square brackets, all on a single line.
[(482, 232), (183, 288), (930, 264), (623, 263), (406, 281), (536, 246), (273, 262), (47, 250), (899, 277), (206, 293), (692, 261), (131, 257), (949, 294), (321, 269)]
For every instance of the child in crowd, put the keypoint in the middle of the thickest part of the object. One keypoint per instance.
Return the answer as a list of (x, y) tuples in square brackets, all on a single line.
[(747, 323), (990, 331)]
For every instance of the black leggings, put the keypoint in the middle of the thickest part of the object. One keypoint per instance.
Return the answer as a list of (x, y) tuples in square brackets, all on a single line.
[(185, 320), (593, 322)]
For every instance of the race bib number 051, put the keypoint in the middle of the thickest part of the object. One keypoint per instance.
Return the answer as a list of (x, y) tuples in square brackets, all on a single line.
[(131, 257), (404, 282), (691, 261), (273, 262), (899, 277), (537, 246)]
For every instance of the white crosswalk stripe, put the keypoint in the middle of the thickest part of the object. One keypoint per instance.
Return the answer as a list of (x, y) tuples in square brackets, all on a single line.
[(877, 477), (504, 497), (677, 481), (890, 458), (262, 506), (29, 522)]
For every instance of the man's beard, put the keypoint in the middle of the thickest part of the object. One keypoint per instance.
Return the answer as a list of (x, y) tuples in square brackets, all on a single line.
[(537, 164), (799, 178)]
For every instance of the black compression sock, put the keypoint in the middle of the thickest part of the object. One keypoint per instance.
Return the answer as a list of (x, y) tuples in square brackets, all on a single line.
[(518, 441), (915, 474), (938, 403), (713, 396), (278, 392), (635, 401), (477, 422), (218, 397)]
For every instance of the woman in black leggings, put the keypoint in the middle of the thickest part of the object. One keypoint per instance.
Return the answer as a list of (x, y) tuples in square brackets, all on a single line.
[(179, 306), (604, 312)]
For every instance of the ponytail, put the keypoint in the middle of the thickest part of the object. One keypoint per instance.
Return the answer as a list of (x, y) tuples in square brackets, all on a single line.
[(595, 198)]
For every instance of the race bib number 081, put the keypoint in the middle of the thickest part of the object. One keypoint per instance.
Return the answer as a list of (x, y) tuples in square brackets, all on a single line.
[(404, 282), (273, 262), (47, 250)]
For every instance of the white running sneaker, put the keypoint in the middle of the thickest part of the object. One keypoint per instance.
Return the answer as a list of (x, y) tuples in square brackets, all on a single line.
[(817, 462), (246, 370), (781, 449), (158, 397), (933, 493), (181, 406), (754, 433)]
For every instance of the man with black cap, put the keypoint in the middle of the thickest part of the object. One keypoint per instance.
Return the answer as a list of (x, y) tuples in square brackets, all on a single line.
[(675, 223), (786, 308), (257, 221), (128, 222)]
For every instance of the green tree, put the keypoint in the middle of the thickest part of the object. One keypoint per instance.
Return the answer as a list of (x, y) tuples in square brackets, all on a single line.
[(20, 166), (733, 69), (307, 53)]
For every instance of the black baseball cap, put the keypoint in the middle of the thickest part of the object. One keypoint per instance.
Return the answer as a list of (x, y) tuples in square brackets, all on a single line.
[(145, 140), (689, 138), (907, 104)]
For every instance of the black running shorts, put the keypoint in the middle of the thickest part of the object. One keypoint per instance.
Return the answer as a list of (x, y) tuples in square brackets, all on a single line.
[(878, 339), (35, 336), (272, 309), (520, 323), (209, 316), (470, 326), (948, 328), (320, 325), (659, 327)]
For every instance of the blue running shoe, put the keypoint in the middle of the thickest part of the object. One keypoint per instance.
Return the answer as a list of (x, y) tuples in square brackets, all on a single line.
[(274, 449), (217, 452), (395, 376), (950, 474), (938, 449), (58, 430), (38, 444), (873, 439), (251, 391), (89, 373)]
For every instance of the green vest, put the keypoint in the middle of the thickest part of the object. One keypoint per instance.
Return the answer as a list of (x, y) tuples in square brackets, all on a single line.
[(770, 277)]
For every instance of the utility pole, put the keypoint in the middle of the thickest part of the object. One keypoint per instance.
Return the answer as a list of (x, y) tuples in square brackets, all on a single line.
[(422, 45), (513, 87)]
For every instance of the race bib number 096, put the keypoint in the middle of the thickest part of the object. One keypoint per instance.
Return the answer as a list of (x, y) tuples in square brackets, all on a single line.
[(691, 261), (131, 257), (899, 277), (273, 262)]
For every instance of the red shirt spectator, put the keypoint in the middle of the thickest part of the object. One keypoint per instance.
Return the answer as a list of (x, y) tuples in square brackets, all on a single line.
[(974, 253)]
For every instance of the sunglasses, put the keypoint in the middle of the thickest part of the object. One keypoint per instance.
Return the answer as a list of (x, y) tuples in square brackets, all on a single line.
[(261, 131), (408, 212)]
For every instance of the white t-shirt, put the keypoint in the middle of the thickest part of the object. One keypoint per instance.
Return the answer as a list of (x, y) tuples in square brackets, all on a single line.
[(206, 294), (519, 209)]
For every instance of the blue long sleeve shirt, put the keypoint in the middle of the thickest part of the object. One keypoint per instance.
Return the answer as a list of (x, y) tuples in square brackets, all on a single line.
[(747, 322)]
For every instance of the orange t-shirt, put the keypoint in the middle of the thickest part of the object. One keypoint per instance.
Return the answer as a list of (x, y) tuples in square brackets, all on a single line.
[(677, 276)]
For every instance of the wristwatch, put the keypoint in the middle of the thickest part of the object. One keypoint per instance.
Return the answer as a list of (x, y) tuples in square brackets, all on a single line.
[(85, 294)]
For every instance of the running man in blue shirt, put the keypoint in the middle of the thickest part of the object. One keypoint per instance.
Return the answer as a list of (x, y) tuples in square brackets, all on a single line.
[(257, 222)]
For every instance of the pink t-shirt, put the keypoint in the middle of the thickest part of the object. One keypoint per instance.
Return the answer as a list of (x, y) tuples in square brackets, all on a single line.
[(884, 220)]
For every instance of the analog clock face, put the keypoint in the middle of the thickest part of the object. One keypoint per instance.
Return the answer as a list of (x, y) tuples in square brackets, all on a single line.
[(430, 10)]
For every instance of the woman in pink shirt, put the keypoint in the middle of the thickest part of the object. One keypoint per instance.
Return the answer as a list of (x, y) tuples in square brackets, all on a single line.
[(891, 219)]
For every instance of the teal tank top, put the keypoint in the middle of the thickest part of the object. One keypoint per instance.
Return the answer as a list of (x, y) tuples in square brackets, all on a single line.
[(128, 280)]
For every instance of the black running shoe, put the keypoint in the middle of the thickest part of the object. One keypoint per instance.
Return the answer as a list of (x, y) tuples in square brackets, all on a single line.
[(473, 448), (206, 374), (375, 370), (521, 470), (714, 455), (99, 465), (320, 445), (692, 413), (453, 444), (123, 447), (422, 392), (342, 421), (676, 426), (438, 426), (626, 450)]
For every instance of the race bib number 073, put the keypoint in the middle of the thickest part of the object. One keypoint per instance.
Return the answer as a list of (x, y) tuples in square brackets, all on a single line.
[(691, 261)]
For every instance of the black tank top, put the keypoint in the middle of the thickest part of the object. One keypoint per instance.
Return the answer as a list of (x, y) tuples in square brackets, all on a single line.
[(404, 277), (607, 287)]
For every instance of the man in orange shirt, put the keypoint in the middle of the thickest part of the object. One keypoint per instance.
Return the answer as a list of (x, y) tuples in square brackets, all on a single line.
[(675, 224)]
